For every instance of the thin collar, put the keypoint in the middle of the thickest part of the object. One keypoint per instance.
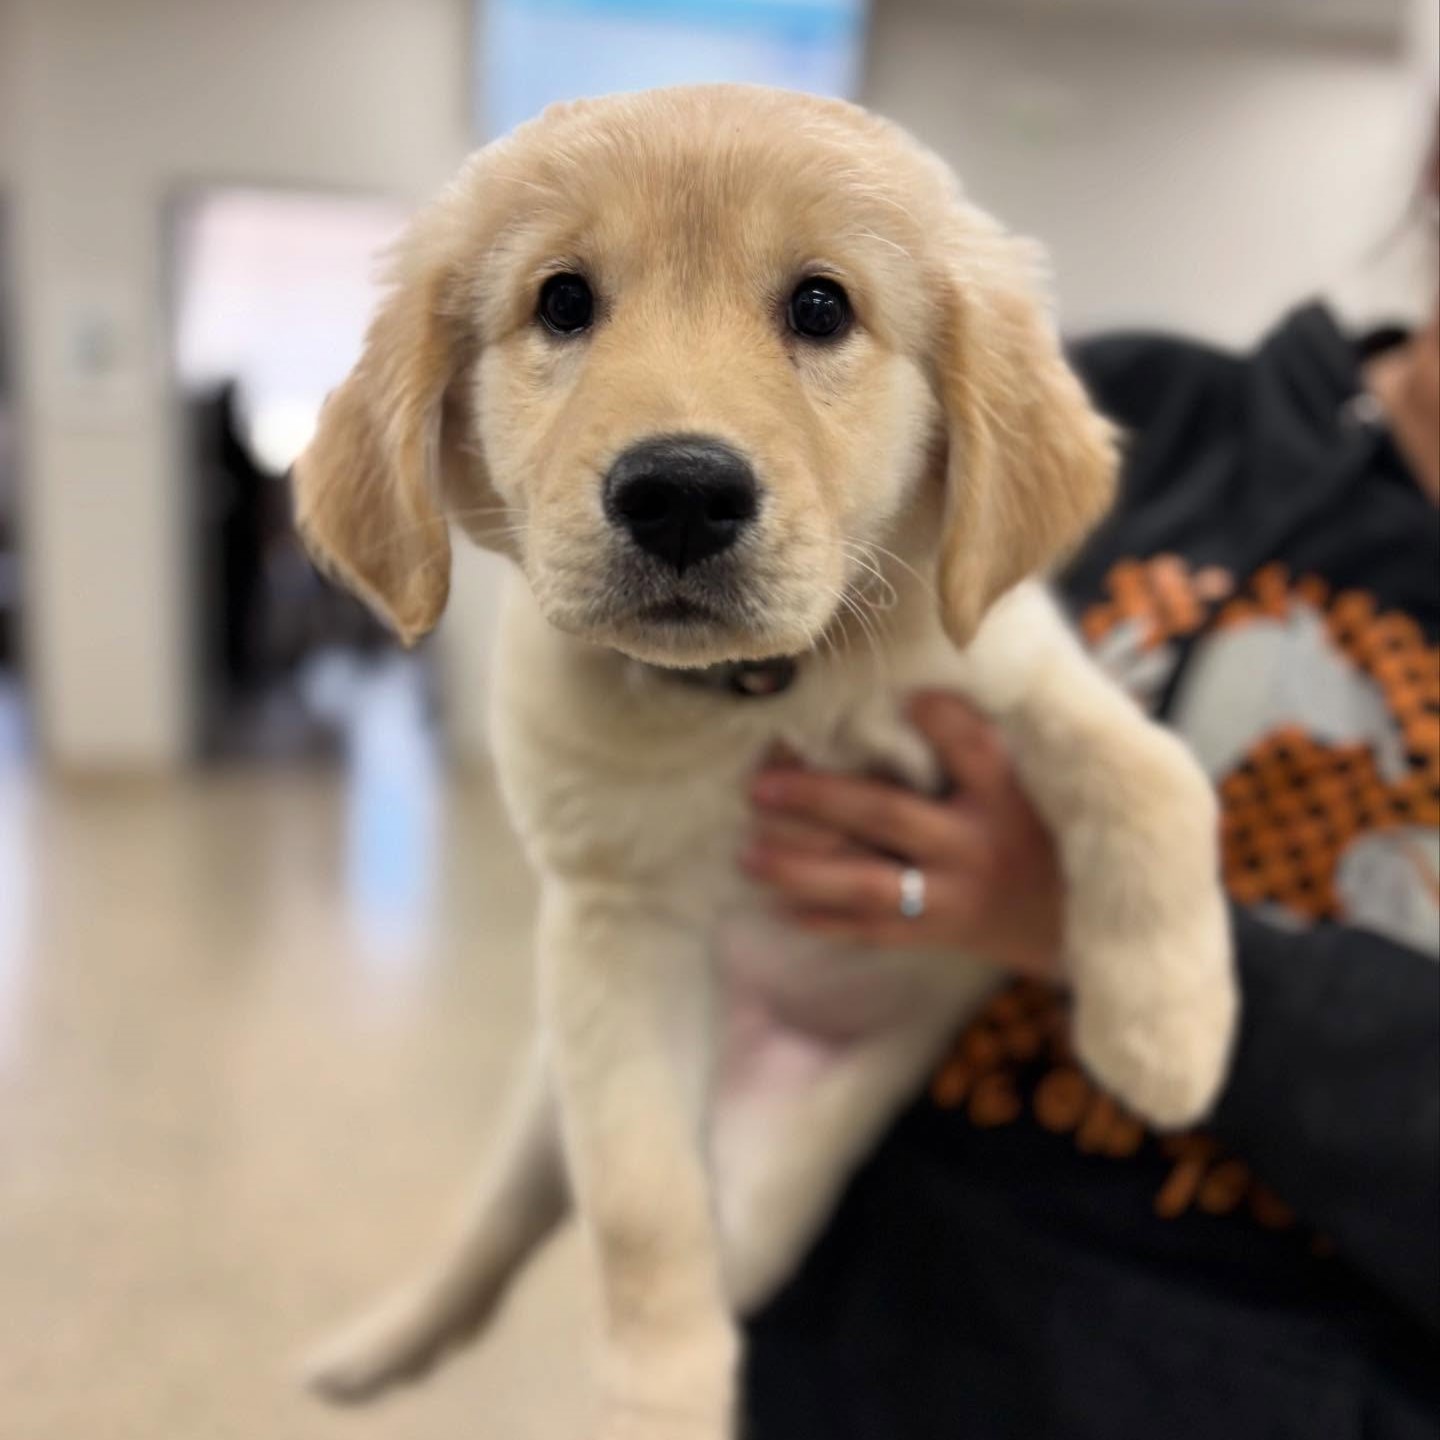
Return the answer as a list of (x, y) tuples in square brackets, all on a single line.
[(742, 679)]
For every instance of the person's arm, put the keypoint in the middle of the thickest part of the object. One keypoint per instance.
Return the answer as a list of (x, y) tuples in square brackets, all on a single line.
[(1334, 1094)]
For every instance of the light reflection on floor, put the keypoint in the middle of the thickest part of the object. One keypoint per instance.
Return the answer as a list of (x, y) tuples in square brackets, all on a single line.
[(14, 727), (392, 804), (15, 824)]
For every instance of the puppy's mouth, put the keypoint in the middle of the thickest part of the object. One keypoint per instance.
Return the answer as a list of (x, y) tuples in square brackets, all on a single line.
[(684, 626), (741, 606), (679, 612), (682, 622)]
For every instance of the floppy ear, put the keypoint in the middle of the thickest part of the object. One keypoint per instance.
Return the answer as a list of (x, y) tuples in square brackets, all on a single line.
[(1030, 464), (369, 486)]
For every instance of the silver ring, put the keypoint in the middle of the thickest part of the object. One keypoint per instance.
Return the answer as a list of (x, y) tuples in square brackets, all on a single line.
[(912, 893)]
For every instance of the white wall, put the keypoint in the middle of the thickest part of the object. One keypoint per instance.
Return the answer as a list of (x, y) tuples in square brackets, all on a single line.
[(1178, 179), (118, 104), (9, 89)]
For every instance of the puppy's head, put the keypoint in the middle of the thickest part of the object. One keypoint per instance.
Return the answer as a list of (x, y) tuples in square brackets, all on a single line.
[(688, 357)]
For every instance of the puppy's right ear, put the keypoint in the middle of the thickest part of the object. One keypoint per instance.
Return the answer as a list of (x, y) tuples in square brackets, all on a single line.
[(369, 486)]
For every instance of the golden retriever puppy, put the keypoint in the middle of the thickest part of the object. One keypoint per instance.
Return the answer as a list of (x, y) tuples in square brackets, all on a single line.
[(775, 429)]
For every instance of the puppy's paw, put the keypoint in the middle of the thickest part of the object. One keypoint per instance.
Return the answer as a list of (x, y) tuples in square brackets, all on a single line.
[(397, 1343), (1155, 1022)]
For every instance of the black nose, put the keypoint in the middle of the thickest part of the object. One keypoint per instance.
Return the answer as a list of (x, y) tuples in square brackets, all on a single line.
[(682, 498)]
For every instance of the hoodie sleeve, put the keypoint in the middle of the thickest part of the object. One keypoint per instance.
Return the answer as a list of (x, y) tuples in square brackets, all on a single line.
[(1334, 1094)]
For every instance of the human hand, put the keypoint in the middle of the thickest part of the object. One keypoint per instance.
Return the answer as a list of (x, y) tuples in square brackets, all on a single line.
[(833, 848)]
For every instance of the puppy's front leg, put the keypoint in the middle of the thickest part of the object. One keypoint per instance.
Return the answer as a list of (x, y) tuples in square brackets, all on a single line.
[(1147, 930), (626, 991)]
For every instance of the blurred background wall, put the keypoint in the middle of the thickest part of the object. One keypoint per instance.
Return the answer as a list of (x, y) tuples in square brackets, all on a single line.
[(115, 108), (1190, 163)]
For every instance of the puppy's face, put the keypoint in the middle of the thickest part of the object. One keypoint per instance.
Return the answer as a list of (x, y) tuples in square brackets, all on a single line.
[(698, 394), (690, 357)]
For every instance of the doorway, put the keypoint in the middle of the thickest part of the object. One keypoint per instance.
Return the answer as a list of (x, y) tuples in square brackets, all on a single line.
[(273, 291)]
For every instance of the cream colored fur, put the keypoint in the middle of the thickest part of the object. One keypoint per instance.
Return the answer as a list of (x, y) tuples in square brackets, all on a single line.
[(916, 478)]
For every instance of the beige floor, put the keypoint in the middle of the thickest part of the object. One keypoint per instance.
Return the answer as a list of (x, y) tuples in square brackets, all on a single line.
[(253, 1033)]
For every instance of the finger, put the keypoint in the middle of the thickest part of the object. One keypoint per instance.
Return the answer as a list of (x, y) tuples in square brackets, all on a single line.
[(969, 859), (857, 888), (966, 860), (782, 757), (786, 832), (950, 723), (880, 815), (968, 745), (882, 931)]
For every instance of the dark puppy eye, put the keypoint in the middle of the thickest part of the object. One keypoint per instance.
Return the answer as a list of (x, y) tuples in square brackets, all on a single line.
[(819, 309), (567, 304)]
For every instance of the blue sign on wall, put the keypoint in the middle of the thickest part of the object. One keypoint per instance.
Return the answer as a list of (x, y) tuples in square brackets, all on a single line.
[(533, 52)]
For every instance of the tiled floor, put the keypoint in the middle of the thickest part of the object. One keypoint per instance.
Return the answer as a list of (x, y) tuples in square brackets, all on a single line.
[(254, 1030)]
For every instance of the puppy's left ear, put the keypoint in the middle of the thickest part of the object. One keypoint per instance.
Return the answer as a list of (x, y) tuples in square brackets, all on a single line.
[(1030, 464), (369, 486)]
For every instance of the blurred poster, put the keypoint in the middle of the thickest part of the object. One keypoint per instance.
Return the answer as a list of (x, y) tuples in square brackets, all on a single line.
[(533, 52)]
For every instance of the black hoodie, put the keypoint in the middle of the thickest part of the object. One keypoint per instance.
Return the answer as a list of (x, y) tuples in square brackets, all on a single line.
[(1021, 1259)]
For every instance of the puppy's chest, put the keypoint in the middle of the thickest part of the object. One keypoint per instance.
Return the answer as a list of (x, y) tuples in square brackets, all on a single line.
[(775, 979), (670, 818), (659, 794)]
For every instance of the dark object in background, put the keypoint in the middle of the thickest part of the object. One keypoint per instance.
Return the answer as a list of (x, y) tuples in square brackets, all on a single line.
[(9, 491), (307, 613), (9, 541), (239, 501), (264, 609)]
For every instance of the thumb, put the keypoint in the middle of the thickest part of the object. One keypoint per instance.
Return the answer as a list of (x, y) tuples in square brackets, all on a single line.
[(965, 742)]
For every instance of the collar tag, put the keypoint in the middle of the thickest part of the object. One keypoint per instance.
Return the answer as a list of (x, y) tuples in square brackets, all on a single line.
[(757, 679), (744, 679)]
